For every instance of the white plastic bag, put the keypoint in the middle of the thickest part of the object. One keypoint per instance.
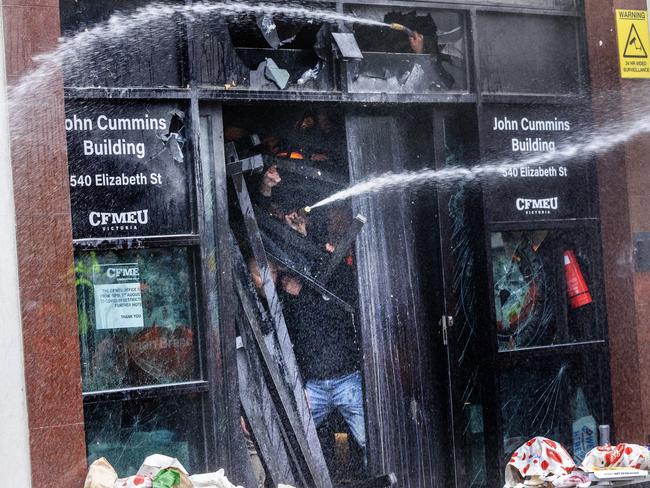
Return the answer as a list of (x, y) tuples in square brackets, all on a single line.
[(100, 475), (217, 479), (154, 463), (135, 481)]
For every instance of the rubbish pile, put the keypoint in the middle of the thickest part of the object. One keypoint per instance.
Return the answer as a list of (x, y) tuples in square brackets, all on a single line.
[(544, 463), (157, 471)]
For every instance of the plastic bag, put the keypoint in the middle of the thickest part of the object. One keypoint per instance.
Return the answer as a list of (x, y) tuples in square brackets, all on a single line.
[(100, 475), (135, 481), (538, 461), (217, 479), (154, 463), (619, 456), (167, 478)]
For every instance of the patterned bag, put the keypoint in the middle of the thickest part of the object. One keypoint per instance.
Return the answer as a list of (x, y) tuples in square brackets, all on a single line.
[(538, 461)]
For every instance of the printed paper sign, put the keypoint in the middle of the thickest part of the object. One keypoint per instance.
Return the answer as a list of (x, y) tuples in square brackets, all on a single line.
[(118, 300), (633, 43)]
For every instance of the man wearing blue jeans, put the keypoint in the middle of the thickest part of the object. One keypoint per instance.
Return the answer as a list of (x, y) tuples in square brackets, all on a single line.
[(343, 393), (327, 350)]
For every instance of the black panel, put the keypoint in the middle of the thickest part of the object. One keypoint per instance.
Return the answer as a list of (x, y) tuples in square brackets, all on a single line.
[(528, 54), (128, 182), (144, 50), (534, 189)]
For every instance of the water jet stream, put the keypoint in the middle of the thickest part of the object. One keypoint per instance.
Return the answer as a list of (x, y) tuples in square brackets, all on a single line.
[(79, 52), (579, 146)]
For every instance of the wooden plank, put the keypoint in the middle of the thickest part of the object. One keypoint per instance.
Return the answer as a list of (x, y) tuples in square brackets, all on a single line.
[(257, 398), (287, 380), (262, 416)]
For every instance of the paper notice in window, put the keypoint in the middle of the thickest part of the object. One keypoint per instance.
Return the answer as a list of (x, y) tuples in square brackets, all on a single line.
[(118, 299)]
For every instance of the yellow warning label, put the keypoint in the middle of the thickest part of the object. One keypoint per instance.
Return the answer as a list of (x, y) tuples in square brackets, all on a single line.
[(633, 43)]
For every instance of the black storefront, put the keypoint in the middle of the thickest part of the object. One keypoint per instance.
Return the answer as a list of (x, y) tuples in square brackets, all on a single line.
[(470, 342)]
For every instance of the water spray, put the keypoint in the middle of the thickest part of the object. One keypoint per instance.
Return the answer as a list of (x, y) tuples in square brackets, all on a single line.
[(586, 145), (79, 52)]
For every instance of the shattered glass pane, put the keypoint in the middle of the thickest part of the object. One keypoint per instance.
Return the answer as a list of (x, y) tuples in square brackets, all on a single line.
[(550, 397), (419, 51), (136, 321), (543, 292), (127, 432), (269, 52), (521, 288), (466, 315)]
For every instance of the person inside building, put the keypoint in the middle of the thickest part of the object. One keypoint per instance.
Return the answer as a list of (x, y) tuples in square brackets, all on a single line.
[(279, 194), (412, 74), (327, 351), (323, 333)]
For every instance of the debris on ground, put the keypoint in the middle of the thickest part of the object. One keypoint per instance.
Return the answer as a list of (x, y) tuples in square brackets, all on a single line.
[(157, 471)]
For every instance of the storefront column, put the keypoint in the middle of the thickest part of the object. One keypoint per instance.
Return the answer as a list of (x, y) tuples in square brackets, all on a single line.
[(45, 264), (14, 432), (624, 200)]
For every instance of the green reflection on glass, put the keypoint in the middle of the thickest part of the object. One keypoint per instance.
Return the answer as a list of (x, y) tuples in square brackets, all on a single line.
[(136, 322)]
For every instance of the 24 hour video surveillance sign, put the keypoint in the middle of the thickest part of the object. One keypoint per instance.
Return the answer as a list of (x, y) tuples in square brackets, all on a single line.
[(531, 178), (633, 43), (128, 170)]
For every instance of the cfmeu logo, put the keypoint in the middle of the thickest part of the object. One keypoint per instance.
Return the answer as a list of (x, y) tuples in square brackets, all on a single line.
[(123, 273), (536, 206), (106, 219)]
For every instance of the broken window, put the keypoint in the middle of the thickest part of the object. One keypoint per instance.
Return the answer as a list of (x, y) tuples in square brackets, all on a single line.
[(279, 53), (127, 432), (302, 152), (552, 397), (418, 51), (139, 341), (552, 352), (543, 288), (264, 51), (463, 211)]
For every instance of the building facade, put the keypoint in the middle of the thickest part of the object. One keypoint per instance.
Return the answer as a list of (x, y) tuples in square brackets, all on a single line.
[(134, 187)]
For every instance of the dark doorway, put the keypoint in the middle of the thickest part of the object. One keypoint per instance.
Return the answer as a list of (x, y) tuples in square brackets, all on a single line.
[(389, 284)]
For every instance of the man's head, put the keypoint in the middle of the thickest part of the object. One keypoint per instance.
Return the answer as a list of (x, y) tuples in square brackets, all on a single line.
[(307, 122), (319, 119), (298, 221)]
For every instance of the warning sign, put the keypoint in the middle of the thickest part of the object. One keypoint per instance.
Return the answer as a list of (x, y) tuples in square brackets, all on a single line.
[(633, 43)]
